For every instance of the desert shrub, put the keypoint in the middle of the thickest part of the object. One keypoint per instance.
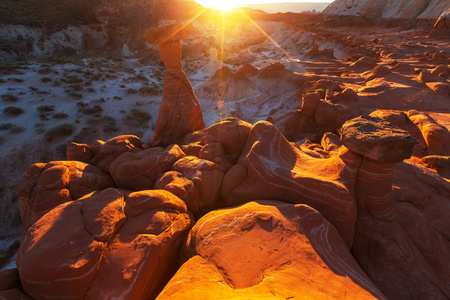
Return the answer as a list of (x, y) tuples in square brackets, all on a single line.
[(46, 79), (9, 98), (60, 116), (131, 91), (73, 94), (2, 80), (12, 111), (148, 90), (73, 79), (76, 87), (137, 118), (6, 126), (45, 70), (96, 76), (46, 108), (60, 130), (97, 109), (16, 79), (39, 128), (16, 129)]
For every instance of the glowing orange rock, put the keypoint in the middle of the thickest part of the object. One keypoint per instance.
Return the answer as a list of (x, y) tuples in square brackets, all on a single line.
[(268, 249), (271, 168), (180, 112), (49, 185), (436, 135), (105, 245)]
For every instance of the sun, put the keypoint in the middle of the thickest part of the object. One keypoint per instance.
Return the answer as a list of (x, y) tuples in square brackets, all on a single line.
[(223, 5)]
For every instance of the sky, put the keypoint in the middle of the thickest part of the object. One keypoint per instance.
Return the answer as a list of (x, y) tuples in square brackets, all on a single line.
[(225, 4)]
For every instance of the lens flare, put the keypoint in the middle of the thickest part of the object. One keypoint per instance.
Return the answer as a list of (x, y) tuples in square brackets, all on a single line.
[(223, 5)]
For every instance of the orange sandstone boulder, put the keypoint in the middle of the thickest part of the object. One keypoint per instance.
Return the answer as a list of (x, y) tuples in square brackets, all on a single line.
[(268, 249), (79, 152), (108, 244), (139, 170), (48, 185), (113, 148), (401, 120), (271, 168), (382, 145), (196, 181), (436, 136), (10, 286), (377, 140), (346, 95), (315, 118), (378, 71), (230, 133)]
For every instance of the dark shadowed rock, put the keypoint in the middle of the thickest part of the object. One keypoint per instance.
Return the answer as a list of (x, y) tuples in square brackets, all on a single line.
[(378, 71), (79, 152), (113, 148), (49, 185), (346, 95), (377, 139), (140, 170)]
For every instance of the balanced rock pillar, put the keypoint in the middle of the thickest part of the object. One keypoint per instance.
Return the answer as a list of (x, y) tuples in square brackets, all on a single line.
[(381, 145), (180, 112)]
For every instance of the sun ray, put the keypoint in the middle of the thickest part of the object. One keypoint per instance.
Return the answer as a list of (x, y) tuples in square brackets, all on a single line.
[(186, 24), (267, 35)]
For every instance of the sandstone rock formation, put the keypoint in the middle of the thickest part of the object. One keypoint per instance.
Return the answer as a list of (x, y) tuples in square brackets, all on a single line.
[(381, 145), (131, 237), (403, 11), (180, 111), (49, 185), (140, 170), (252, 251), (316, 117), (196, 181), (250, 83), (271, 168), (436, 136), (392, 252)]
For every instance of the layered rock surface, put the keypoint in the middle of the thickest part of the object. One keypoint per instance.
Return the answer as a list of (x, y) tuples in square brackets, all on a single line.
[(333, 200), (265, 238), (132, 237)]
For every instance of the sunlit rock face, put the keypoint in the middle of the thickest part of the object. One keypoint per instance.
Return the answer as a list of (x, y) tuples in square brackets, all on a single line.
[(111, 243), (267, 248), (272, 168), (330, 201), (180, 112), (49, 185)]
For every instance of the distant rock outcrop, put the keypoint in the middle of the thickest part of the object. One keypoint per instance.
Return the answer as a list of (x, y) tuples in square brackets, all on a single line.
[(422, 13)]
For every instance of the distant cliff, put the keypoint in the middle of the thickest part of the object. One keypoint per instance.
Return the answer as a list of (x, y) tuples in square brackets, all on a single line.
[(425, 13)]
